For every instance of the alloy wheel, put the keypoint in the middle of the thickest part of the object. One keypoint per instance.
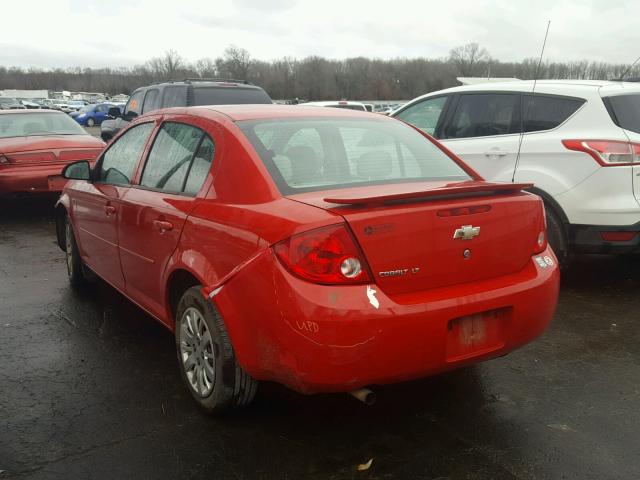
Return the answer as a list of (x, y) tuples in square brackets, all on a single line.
[(197, 352)]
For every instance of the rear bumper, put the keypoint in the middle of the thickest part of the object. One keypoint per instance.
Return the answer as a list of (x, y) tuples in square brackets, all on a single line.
[(316, 338), (588, 239), (31, 179)]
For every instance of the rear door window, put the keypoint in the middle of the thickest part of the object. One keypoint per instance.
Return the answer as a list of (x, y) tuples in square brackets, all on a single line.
[(119, 161), (484, 115), (150, 100), (424, 115), (200, 166), (545, 112), (170, 160), (625, 111)]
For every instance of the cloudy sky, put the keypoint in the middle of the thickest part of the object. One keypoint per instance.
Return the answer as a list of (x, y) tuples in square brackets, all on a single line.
[(64, 33)]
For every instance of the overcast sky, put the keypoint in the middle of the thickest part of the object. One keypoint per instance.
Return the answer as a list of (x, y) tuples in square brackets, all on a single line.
[(64, 33)]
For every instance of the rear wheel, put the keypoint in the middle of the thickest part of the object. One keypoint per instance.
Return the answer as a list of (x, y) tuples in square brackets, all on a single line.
[(75, 269), (557, 236), (206, 357), (90, 122)]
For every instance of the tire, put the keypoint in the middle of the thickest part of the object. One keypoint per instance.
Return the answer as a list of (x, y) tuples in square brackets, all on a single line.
[(106, 137), (90, 122), (75, 269), (557, 237), (206, 360)]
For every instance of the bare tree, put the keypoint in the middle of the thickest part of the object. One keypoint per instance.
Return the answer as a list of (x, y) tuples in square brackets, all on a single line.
[(168, 66), (467, 57), (235, 62)]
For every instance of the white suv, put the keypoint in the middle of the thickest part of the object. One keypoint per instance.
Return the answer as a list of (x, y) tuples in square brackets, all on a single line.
[(580, 148)]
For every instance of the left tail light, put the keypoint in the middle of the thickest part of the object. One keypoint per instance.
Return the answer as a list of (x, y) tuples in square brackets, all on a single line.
[(327, 255), (541, 239)]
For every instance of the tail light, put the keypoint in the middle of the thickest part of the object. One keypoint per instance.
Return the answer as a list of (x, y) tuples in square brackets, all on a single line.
[(607, 153), (541, 240), (327, 255)]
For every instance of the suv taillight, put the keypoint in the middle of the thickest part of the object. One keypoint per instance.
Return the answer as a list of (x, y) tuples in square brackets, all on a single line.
[(327, 255), (608, 153)]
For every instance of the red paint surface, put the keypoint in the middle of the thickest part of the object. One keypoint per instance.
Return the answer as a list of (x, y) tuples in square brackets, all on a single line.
[(314, 337), (33, 164)]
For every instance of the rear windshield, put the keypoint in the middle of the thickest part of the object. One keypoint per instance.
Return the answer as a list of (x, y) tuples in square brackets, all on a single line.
[(320, 154), (625, 111), (29, 124), (229, 96)]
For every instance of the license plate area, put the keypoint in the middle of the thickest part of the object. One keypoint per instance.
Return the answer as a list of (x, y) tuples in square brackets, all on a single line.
[(477, 334)]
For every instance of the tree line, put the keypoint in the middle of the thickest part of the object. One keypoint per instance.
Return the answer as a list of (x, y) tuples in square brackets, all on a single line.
[(314, 77)]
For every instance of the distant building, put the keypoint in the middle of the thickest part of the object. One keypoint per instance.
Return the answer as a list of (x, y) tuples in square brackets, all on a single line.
[(477, 80), (25, 93)]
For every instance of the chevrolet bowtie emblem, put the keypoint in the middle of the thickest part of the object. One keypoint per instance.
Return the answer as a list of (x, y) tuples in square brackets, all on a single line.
[(466, 232)]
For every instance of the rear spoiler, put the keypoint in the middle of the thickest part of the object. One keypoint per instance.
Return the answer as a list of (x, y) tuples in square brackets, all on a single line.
[(446, 190)]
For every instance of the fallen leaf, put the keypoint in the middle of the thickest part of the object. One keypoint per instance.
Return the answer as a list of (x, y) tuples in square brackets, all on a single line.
[(364, 466)]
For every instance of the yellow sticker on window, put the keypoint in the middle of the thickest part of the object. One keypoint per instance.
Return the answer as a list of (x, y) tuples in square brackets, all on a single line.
[(134, 104)]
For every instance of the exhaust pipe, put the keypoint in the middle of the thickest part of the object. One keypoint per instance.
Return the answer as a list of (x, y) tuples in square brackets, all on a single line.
[(365, 395)]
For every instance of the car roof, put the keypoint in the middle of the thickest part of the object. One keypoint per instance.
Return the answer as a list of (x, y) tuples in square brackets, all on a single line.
[(562, 87), (269, 111)]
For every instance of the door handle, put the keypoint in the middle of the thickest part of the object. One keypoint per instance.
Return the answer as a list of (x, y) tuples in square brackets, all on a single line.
[(109, 210), (163, 225), (496, 152)]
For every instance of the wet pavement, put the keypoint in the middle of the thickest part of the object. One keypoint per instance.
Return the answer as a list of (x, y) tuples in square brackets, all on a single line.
[(89, 388)]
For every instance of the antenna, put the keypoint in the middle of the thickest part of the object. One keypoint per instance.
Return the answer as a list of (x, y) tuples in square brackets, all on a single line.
[(526, 111), (628, 69)]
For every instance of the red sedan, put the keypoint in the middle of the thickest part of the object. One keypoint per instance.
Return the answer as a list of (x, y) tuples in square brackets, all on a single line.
[(35, 145), (326, 250)]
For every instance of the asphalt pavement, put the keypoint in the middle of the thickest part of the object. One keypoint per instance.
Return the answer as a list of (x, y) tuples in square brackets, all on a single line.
[(89, 388)]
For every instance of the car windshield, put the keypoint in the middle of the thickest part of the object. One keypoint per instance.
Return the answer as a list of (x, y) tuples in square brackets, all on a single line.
[(29, 124), (318, 154), (87, 108)]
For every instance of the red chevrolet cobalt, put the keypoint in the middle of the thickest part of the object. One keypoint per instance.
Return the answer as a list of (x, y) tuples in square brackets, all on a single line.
[(35, 145), (326, 250)]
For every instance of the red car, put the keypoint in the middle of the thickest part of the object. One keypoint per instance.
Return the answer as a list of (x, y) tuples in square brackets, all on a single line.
[(323, 249), (35, 145)]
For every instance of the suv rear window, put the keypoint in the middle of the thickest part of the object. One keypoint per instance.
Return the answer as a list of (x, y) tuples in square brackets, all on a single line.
[(320, 154), (544, 112), (625, 111), (229, 96)]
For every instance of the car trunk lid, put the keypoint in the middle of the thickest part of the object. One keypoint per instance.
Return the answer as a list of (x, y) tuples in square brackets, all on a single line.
[(426, 235)]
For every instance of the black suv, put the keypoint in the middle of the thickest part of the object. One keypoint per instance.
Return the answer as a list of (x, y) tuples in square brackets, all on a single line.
[(184, 93)]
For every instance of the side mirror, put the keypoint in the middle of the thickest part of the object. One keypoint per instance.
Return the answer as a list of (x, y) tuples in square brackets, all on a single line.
[(77, 171), (114, 112), (130, 115)]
